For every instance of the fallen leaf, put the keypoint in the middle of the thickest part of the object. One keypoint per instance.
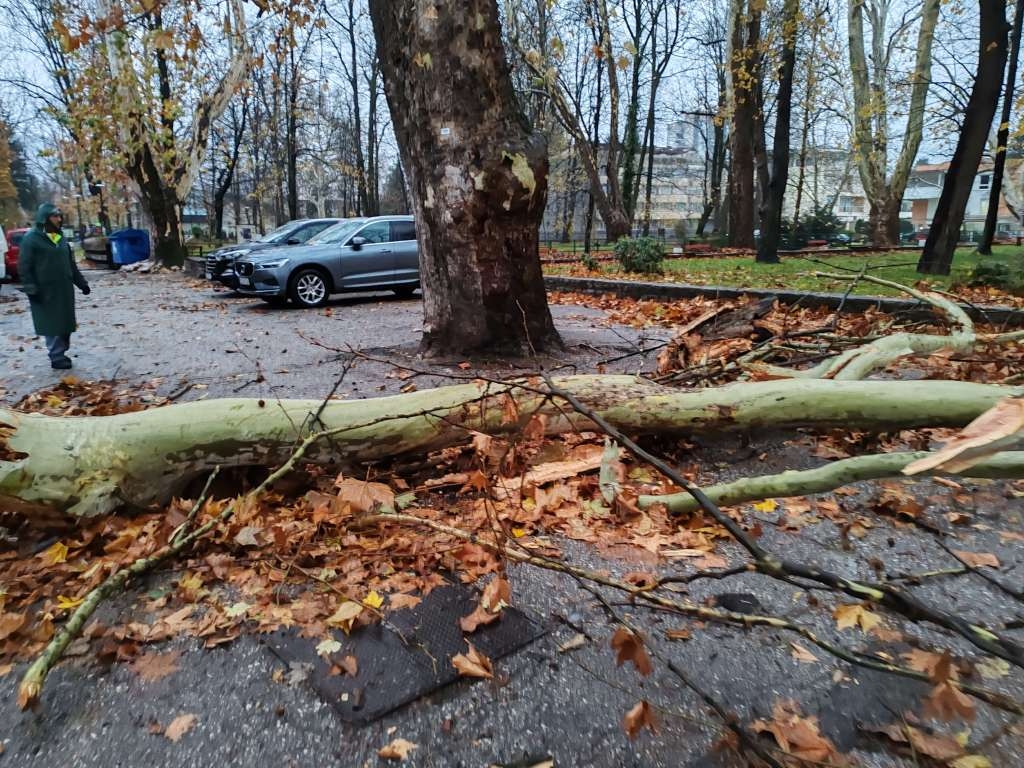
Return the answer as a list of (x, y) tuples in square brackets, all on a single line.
[(345, 616), (802, 654), (947, 702), (349, 665), (55, 554), (478, 618), (68, 603), (678, 634), (403, 600), (496, 595), (473, 663), (768, 505), (247, 537), (847, 616), (576, 641), (639, 717), (935, 745), (977, 559), (236, 610), (799, 736), (155, 666), (179, 726), (363, 496), (10, 623), (398, 749), (630, 647), (993, 668), (373, 600), (327, 646), (971, 761)]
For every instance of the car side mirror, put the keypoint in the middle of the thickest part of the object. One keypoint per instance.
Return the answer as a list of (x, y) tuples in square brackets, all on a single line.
[(357, 243), (292, 241)]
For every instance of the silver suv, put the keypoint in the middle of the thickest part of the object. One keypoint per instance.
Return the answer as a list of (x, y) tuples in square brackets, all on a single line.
[(355, 255)]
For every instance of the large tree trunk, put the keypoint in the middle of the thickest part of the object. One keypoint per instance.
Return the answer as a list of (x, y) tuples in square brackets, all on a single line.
[(146, 457), (1003, 135), (871, 114), (478, 174), (768, 248), (937, 258)]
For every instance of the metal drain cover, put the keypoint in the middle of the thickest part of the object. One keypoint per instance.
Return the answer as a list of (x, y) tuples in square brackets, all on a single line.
[(396, 669)]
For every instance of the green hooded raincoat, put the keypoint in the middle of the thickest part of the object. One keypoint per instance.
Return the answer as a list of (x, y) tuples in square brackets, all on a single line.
[(48, 272)]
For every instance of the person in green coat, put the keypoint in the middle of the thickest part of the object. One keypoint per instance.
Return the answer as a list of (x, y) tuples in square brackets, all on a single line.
[(48, 273)]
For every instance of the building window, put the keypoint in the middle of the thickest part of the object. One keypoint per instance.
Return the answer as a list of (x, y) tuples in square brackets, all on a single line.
[(906, 206), (984, 181), (846, 205)]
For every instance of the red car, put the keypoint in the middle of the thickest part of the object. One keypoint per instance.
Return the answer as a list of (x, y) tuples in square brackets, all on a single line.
[(13, 248)]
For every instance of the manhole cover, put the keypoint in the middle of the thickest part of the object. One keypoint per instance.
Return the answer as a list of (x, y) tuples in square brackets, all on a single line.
[(395, 669)]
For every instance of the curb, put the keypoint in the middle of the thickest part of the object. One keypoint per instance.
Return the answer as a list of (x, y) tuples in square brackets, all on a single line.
[(1001, 316)]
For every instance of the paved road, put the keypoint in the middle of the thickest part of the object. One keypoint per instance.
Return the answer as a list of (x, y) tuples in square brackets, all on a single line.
[(565, 705)]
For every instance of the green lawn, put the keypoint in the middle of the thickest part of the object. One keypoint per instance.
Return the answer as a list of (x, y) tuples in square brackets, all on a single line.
[(797, 272)]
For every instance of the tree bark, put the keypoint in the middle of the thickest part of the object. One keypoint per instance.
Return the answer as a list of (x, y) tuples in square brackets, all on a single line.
[(478, 175), (1006, 465), (744, 39), (871, 116), (1003, 135), (937, 257), (145, 458), (768, 247)]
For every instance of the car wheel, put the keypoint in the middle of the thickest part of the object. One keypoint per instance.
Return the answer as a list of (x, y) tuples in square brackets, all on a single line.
[(405, 291), (308, 288)]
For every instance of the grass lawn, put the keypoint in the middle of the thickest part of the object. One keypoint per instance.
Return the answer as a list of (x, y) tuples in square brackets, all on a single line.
[(797, 272)]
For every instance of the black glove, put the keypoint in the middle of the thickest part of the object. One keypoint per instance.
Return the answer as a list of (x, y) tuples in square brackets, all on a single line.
[(86, 290)]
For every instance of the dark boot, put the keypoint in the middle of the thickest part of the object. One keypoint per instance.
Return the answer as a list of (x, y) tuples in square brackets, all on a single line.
[(63, 364)]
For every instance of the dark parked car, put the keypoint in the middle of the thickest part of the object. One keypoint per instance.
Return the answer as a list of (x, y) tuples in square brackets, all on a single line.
[(220, 264), (378, 253), (13, 249)]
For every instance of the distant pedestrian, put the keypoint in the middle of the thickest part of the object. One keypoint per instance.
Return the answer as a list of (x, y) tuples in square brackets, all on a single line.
[(48, 271)]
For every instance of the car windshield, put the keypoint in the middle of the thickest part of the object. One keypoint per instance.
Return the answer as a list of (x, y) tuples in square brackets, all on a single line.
[(339, 233), (280, 234)]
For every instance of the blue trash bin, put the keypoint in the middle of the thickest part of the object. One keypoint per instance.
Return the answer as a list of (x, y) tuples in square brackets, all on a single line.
[(128, 246)]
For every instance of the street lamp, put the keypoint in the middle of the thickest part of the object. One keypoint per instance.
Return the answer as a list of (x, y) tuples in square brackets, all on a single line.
[(96, 188), (78, 209)]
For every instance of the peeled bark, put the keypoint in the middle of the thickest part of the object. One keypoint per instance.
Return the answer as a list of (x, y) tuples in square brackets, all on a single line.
[(937, 257), (91, 465), (477, 171)]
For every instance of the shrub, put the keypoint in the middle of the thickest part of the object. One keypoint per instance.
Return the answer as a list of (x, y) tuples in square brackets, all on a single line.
[(998, 274), (588, 261), (640, 254)]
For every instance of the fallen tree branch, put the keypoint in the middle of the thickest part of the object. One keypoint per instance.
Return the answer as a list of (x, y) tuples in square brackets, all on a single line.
[(1005, 465), (856, 364), (770, 564), (694, 610), (32, 682), (92, 465)]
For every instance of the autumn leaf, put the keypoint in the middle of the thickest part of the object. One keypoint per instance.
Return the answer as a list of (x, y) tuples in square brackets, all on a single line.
[(947, 702), (628, 646), (497, 595), (373, 600), (768, 505), (971, 761), (639, 717), (403, 600), (935, 745), (345, 616), (398, 749), (55, 554), (155, 666), (802, 654), (68, 603), (977, 559), (363, 497), (573, 643), (179, 726), (11, 623), (327, 646), (799, 736), (847, 616), (995, 429), (993, 668), (473, 663)]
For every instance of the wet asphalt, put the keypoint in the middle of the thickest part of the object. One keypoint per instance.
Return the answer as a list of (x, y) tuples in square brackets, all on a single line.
[(543, 704)]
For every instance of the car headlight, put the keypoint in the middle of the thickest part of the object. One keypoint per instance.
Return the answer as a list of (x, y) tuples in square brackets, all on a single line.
[(236, 254), (273, 264)]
